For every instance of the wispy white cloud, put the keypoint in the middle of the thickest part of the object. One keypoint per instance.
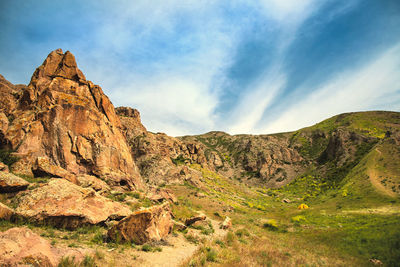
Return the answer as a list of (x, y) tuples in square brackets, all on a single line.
[(353, 90)]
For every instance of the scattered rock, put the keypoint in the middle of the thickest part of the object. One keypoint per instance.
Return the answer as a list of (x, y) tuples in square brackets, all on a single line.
[(22, 247), (11, 183), (226, 224), (192, 220), (5, 212), (64, 204), (161, 194), (286, 200), (150, 224)]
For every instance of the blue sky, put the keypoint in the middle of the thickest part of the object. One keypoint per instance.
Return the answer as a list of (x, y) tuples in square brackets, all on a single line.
[(238, 66)]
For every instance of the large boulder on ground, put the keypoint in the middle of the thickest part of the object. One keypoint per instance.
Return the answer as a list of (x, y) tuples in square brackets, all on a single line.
[(71, 121), (11, 183), (64, 204), (22, 247), (5, 212), (150, 224), (198, 217)]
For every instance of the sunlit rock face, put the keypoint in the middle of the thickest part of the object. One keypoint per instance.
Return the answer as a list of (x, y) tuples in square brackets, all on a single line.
[(62, 116)]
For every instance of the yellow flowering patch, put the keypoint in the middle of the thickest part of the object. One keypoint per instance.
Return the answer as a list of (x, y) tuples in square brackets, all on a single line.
[(302, 206)]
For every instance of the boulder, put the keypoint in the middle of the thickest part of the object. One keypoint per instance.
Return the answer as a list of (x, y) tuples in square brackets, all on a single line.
[(21, 247), (5, 212), (226, 224), (179, 226), (149, 224), (11, 183), (192, 220), (64, 204), (69, 120), (161, 194)]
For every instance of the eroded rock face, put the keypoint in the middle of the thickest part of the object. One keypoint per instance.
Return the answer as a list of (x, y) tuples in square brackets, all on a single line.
[(21, 247), (151, 224), (11, 183), (64, 204), (69, 120)]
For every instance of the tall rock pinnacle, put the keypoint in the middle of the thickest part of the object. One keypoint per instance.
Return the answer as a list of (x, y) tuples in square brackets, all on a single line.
[(69, 120)]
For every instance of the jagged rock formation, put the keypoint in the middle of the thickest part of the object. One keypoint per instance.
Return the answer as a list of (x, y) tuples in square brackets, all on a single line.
[(69, 120), (160, 158)]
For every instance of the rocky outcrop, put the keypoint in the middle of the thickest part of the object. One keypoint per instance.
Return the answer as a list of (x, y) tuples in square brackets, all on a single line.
[(11, 183), (131, 123), (268, 158), (151, 224), (5, 212), (69, 120), (3, 167), (64, 204), (22, 247)]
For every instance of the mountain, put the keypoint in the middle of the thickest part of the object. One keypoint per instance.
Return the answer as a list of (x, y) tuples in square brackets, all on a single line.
[(74, 167)]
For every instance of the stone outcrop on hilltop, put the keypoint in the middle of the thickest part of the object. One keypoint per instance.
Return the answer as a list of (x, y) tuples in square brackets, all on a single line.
[(67, 119)]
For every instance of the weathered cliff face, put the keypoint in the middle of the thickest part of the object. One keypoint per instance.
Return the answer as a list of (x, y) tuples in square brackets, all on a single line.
[(160, 158), (266, 159), (69, 120)]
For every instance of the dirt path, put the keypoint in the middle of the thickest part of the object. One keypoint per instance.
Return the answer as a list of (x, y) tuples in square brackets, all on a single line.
[(179, 250), (374, 178)]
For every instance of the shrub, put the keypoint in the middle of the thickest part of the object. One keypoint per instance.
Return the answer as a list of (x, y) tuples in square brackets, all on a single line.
[(299, 219), (271, 224), (211, 254), (147, 248), (7, 158)]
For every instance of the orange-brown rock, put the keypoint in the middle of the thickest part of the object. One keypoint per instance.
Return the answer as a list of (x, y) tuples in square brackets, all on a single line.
[(161, 194), (64, 204), (5, 212), (11, 183), (150, 224), (21, 247), (131, 123), (44, 168), (68, 119), (92, 182), (192, 220)]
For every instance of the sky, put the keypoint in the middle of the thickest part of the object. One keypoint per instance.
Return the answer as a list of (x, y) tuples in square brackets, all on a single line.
[(192, 67)]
